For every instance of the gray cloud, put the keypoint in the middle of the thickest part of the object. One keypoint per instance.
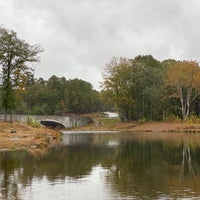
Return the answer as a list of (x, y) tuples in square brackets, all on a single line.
[(79, 37)]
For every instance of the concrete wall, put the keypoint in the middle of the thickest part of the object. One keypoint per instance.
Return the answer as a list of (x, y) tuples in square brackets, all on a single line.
[(67, 121)]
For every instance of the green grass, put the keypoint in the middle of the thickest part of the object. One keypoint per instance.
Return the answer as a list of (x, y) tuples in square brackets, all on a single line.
[(109, 121)]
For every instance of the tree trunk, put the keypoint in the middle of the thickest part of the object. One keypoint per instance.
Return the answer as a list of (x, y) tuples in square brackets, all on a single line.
[(183, 107), (5, 115)]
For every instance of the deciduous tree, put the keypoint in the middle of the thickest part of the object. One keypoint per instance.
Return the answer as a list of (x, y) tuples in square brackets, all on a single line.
[(117, 81), (14, 56), (184, 79)]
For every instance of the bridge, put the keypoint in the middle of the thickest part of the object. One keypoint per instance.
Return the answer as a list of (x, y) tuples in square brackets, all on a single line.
[(65, 121)]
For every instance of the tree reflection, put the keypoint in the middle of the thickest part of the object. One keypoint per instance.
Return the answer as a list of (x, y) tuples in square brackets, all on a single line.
[(190, 165), (135, 167), (187, 165), (10, 174), (146, 167)]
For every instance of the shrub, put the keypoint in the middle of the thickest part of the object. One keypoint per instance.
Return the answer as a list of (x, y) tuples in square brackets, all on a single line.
[(33, 123)]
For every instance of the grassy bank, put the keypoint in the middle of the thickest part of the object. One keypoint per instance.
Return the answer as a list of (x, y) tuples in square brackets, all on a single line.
[(115, 125), (16, 136)]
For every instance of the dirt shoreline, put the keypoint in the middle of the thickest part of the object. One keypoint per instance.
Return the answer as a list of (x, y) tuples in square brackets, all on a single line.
[(21, 136), (183, 127)]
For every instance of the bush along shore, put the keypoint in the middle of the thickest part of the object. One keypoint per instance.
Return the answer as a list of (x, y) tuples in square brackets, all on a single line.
[(19, 136)]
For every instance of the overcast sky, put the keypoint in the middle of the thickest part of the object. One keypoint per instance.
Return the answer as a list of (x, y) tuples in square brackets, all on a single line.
[(80, 36)]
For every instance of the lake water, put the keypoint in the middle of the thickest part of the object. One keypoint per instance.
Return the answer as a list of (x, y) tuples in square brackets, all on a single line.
[(105, 166)]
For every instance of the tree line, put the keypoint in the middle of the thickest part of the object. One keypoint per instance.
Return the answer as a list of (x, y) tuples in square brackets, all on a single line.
[(145, 88), (58, 96), (141, 88)]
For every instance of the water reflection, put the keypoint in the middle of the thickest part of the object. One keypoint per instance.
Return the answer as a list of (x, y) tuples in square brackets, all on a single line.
[(115, 166)]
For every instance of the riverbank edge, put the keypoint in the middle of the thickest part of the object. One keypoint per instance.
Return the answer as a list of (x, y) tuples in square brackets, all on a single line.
[(21, 136), (161, 127), (37, 140)]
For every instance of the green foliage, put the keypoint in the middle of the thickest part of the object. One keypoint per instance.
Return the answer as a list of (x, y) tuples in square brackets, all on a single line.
[(192, 118), (33, 123), (135, 86), (58, 96), (106, 101), (15, 74), (109, 121), (170, 117), (80, 97)]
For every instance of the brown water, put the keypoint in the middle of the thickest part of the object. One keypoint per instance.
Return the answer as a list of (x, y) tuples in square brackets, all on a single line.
[(105, 166)]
